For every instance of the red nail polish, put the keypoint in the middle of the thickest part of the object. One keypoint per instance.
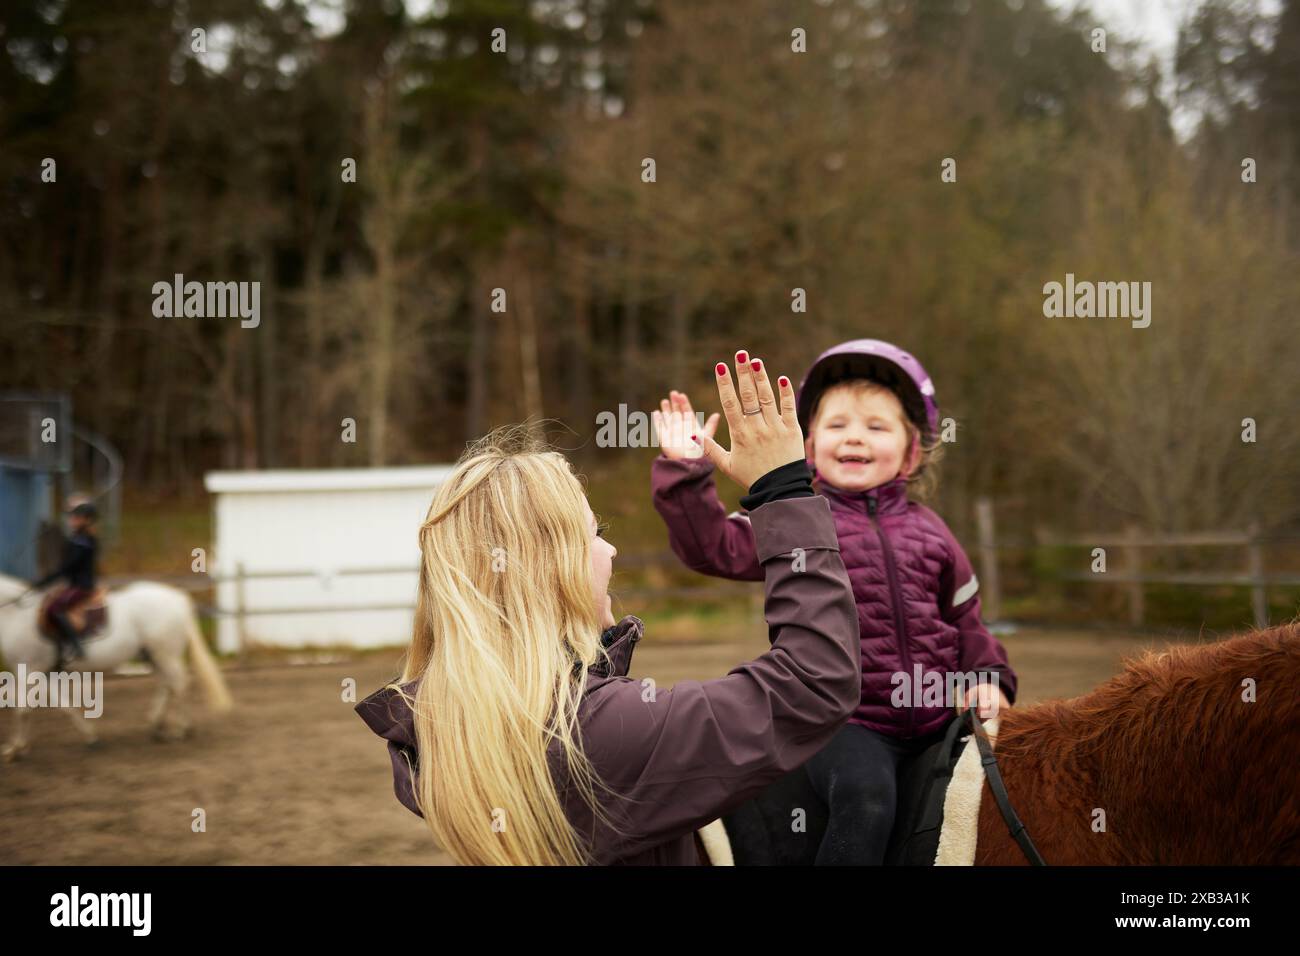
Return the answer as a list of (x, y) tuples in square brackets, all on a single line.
[(756, 365), (722, 369), (783, 381), (742, 356), (696, 439)]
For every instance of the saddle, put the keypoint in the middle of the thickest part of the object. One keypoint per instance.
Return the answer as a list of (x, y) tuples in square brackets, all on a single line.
[(922, 785), (89, 615)]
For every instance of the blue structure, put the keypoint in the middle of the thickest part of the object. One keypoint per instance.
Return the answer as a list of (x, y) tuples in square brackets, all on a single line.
[(24, 505), (31, 466)]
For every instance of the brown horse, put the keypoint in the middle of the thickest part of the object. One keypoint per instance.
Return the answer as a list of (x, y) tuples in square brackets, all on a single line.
[(1189, 756)]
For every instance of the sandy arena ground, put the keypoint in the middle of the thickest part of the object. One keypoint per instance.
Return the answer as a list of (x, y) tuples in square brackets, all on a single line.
[(293, 776)]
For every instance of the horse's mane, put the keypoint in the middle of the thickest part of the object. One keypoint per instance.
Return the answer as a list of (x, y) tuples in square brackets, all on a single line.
[(1184, 766), (1160, 697)]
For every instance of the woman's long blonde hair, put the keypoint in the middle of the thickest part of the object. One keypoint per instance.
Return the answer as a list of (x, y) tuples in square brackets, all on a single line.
[(506, 626)]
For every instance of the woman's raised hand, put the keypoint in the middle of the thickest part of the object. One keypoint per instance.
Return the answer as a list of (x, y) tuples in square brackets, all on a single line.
[(675, 424), (765, 432)]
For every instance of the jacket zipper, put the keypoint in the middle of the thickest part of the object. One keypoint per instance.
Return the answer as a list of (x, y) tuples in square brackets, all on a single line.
[(900, 625)]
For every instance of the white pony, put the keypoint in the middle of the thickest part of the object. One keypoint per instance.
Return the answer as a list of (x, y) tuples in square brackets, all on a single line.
[(144, 616)]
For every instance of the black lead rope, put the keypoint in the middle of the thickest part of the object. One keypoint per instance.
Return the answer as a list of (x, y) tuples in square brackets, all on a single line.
[(994, 776)]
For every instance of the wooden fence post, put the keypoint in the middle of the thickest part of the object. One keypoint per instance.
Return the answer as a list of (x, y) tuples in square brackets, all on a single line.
[(1133, 564), (991, 592), (1255, 569)]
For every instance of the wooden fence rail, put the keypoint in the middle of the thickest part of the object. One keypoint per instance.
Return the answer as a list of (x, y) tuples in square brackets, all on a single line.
[(1130, 543)]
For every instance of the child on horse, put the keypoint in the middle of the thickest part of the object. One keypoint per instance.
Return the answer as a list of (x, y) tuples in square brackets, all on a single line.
[(870, 421), (77, 569)]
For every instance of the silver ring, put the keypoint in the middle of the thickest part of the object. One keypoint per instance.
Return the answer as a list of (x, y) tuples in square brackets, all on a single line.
[(758, 412)]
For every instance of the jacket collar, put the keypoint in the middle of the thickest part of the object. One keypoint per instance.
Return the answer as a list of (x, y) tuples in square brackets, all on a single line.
[(387, 714), (619, 641), (889, 498)]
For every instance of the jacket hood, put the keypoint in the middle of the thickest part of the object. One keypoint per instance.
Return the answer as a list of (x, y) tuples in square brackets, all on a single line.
[(388, 715)]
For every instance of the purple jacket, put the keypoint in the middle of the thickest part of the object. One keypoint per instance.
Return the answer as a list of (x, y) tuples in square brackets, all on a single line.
[(917, 597), (680, 758)]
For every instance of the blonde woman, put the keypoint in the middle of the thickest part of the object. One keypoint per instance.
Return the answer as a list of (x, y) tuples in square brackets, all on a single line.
[(514, 730)]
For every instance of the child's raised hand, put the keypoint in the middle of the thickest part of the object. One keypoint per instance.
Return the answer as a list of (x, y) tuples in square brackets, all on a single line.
[(765, 432), (675, 424)]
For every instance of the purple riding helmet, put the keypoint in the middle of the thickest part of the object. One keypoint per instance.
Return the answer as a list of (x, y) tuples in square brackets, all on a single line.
[(881, 362)]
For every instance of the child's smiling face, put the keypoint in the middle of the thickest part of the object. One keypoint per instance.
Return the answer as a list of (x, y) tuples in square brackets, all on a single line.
[(860, 437)]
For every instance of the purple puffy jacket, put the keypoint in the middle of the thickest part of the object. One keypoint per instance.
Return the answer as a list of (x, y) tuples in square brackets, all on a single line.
[(917, 596)]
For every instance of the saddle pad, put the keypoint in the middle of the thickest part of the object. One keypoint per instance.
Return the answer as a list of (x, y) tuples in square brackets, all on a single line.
[(961, 806), (716, 844)]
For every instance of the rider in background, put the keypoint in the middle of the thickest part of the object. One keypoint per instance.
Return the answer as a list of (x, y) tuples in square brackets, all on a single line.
[(77, 568)]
